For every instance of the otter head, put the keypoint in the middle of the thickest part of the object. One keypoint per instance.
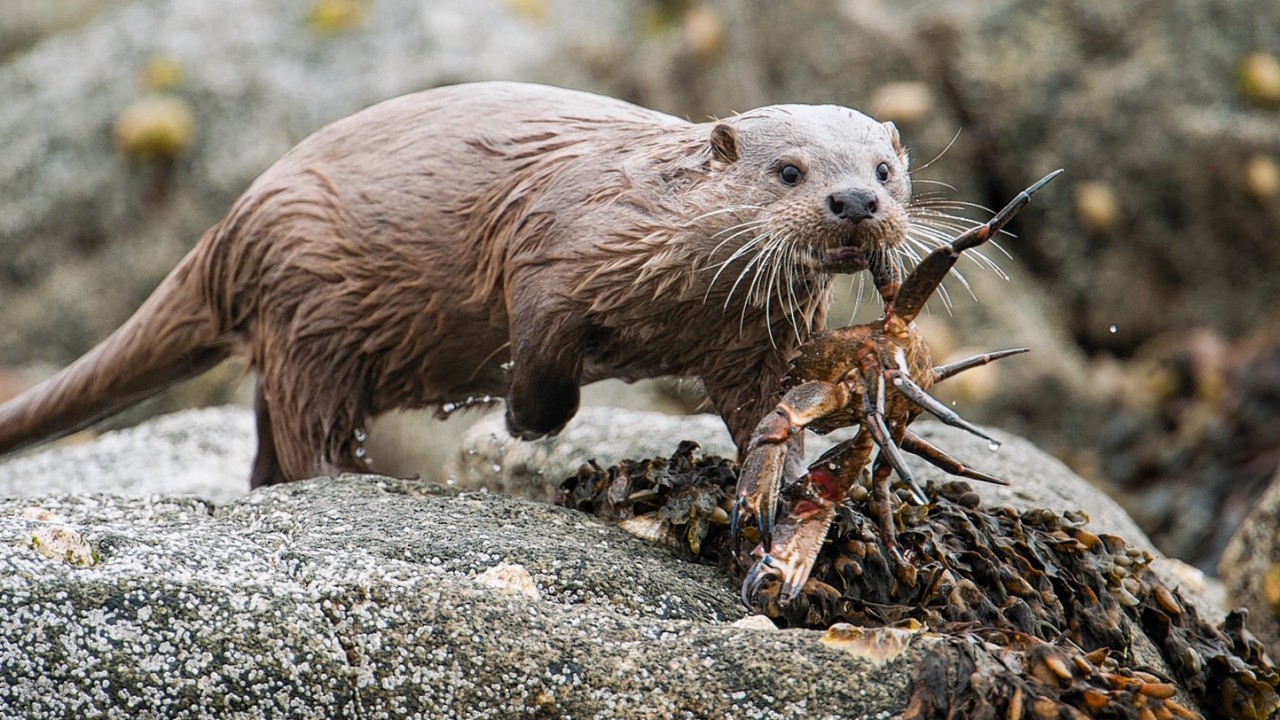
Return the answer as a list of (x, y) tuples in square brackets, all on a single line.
[(830, 184)]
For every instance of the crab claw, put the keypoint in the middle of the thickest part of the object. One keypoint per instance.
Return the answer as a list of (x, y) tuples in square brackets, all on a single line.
[(758, 484), (798, 538), (774, 455), (762, 576)]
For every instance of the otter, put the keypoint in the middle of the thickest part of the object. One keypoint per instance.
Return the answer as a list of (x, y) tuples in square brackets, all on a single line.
[(503, 239)]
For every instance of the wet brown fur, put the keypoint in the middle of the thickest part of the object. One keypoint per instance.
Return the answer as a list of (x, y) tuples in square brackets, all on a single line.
[(400, 257)]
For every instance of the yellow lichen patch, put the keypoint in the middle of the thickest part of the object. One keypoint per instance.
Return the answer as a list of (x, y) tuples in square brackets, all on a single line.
[(59, 542), (537, 11), (162, 73), (902, 102), (1262, 177), (155, 127), (510, 578), (704, 32), (1271, 588), (331, 17), (1097, 206), (878, 645), (1259, 78)]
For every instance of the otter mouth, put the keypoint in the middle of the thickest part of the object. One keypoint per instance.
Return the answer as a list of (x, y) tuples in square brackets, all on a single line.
[(844, 260)]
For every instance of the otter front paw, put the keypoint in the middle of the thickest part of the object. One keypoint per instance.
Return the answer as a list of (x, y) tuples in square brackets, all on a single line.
[(520, 428), (543, 412)]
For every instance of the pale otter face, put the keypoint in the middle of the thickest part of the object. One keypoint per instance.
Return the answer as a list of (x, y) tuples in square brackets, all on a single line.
[(836, 181), (808, 191)]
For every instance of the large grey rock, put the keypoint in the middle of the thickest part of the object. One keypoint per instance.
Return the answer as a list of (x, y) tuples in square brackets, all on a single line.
[(364, 597)]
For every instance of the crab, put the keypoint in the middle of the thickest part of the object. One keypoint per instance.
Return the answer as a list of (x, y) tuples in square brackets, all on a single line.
[(874, 376)]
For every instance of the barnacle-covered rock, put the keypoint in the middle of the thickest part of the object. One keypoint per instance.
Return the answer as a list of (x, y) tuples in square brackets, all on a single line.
[(1041, 616)]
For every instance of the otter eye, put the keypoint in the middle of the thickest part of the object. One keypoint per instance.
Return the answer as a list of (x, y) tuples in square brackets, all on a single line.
[(882, 172), (790, 175)]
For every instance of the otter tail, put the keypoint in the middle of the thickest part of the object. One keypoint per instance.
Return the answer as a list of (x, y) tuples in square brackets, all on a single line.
[(170, 338)]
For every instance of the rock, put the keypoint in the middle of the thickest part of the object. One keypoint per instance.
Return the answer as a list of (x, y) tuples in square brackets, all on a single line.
[(366, 597), (363, 596), (206, 453), (488, 457), (1250, 567)]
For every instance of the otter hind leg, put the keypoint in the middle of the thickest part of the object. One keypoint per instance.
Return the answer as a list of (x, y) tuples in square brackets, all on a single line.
[(266, 466), (309, 424)]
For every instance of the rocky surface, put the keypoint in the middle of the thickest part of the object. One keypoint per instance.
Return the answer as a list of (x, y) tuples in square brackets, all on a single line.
[(1251, 568), (373, 597)]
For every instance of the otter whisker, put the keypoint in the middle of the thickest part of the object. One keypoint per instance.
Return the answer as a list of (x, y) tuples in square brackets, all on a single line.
[(927, 247), (745, 249), (755, 261), (724, 211), (939, 155), (742, 250), (788, 279), (935, 237)]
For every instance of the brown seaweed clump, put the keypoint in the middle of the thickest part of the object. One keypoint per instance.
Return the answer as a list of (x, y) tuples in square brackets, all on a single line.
[(1036, 615)]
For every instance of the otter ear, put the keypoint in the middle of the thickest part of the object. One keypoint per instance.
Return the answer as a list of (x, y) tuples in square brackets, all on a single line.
[(724, 143), (897, 143)]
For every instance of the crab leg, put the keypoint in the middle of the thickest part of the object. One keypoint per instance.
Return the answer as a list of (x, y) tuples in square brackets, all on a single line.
[(942, 372), (927, 275), (905, 385), (919, 447), (766, 462), (874, 413)]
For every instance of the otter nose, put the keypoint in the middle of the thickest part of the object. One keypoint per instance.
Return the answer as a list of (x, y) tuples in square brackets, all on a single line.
[(852, 205)]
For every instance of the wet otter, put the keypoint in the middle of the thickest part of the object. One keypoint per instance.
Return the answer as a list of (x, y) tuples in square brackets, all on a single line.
[(502, 239)]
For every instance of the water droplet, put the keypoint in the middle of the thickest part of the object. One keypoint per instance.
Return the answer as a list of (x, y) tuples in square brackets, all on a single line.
[(496, 468), (360, 434), (993, 446), (1113, 329), (508, 365), (487, 399), (448, 408), (471, 451), (361, 452)]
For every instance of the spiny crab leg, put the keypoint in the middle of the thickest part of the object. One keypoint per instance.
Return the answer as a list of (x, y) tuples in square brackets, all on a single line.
[(905, 385), (874, 412), (942, 372), (919, 447), (918, 287)]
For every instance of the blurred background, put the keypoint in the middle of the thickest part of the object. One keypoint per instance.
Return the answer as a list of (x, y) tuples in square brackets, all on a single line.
[(1144, 279)]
